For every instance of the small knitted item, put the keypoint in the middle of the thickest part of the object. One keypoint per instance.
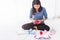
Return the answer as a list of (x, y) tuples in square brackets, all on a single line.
[(36, 22), (41, 33), (30, 31)]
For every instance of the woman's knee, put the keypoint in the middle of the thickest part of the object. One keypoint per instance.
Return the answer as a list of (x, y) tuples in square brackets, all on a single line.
[(24, 26), (27, 26), (47, 27), (43, 27)]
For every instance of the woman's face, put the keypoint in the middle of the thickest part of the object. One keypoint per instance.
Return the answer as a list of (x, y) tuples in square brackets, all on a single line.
[(36, 6)]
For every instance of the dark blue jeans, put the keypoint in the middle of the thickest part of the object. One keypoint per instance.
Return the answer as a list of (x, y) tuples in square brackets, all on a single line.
[(39, 26)]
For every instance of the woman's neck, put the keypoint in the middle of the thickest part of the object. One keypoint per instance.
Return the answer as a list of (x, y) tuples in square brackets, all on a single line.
[(37, 11)]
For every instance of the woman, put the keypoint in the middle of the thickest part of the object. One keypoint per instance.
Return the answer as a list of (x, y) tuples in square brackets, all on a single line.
[(37, 12)]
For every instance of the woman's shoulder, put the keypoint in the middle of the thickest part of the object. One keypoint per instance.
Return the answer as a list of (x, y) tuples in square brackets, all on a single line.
[(30, 9), (43, 8)]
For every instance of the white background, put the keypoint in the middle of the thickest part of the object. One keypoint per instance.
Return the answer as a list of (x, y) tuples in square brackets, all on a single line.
[(15, 13), (8, 21)]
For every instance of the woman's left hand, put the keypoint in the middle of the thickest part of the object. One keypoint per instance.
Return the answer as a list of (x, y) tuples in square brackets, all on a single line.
[(42, 20)]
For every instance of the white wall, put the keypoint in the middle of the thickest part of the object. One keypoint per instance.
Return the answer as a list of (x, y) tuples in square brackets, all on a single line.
[(57, 7), (50, 7), (8, 22)]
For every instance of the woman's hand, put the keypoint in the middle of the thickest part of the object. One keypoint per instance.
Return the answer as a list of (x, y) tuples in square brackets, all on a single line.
[(33, 20), (37, 21), (42, 20)]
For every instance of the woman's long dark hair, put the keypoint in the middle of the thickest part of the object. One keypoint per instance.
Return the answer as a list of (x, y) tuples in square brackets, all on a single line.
[(36, 2)]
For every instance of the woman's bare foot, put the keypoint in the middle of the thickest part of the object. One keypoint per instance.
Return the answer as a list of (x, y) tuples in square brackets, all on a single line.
[(35, 27)]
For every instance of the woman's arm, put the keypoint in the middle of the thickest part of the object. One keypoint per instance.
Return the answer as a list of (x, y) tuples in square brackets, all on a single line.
[(42, 20), (44, 15), (32, 19)]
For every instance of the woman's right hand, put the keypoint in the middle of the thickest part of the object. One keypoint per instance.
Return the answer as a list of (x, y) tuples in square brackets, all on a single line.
[(33, 20)]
